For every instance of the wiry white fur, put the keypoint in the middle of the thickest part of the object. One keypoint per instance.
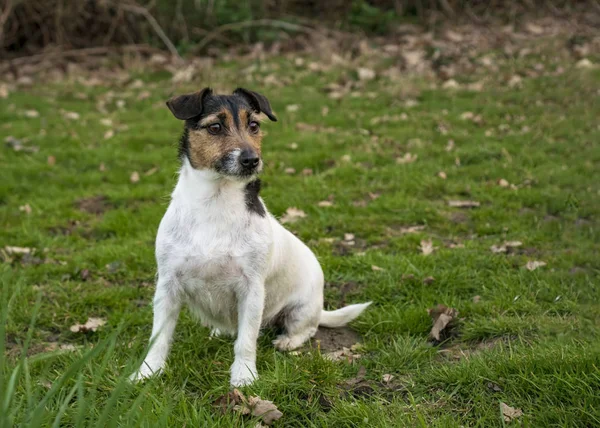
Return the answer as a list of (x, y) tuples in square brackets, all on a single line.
[(236, 270)]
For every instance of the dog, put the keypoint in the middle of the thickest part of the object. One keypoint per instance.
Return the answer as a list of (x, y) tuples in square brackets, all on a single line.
[(219, 250)]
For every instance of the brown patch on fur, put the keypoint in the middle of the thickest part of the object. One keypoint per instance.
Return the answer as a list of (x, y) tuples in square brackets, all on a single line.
[(206, 149)]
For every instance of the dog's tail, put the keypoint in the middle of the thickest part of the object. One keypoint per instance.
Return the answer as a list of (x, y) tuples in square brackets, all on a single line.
[(342, 316)]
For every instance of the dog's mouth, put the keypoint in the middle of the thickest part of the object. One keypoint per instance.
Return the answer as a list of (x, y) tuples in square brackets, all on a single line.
[(234, 166)]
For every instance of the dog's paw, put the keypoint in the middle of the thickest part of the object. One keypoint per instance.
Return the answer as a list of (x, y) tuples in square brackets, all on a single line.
[(288, 343), (243, 373), (144, 372)]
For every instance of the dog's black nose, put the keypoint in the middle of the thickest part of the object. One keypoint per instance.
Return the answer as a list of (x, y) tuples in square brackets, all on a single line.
[(249, 159)]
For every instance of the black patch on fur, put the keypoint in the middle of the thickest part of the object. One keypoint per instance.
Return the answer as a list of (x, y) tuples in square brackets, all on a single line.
[(183, 150), (253, 202)]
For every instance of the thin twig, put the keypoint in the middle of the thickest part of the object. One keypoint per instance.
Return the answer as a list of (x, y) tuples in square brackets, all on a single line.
[(258, 23), (155, 26)]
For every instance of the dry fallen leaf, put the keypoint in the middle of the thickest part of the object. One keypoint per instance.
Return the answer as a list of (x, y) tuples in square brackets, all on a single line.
[(135, 177), (506, 247), (31, 114), (109, 134), (533, 265), (442, 317), (325, 204), (503, 183), (292, 108), (264, 409), (510, 413), (92, 324), (411, 229), (106, 122), (51, 160), (289, 171), (18, 250), (292, 215), (254, 406), (151, 171), (584, 63), (71, 115), (348, 236), (407, 158), (442, 175), (377, 268), (25, 208), (344, 354), (463, 204), (365, 74), (102, 167), (426, 247), (387, 378)]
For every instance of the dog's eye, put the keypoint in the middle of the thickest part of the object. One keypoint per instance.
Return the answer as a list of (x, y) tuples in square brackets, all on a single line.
[(254, 126), (215, 128)]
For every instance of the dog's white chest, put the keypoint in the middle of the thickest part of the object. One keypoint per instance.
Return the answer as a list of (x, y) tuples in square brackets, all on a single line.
[(212, 260)]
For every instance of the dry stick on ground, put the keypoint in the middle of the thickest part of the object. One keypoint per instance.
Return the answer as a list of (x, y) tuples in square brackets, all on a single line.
[(259, 22), (154, 24)]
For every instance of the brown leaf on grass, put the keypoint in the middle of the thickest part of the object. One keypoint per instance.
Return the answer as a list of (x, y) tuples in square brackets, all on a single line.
[(533, 265), (71, 115), (325, 204), (31, 114), (135, 177), (506, 247), (345, 354), (307, 172), (51, 160), (407, 158), (235, 401), (102, 167), (365, 74), (503, 183), (377, 268), (442, 175), (442, 317), (411, 229), (463, 204), (476, 299), (109, 134), (428, 280), (4, 91), (387, 378), (289, 171), (25, 208), (427, 247), (510, 413), (17, 250), (292, 215), (151, 171), (264, 409), (92, 324)]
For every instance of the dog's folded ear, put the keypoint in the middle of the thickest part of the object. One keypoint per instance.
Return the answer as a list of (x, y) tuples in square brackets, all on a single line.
[(258, 102), (185, 107)]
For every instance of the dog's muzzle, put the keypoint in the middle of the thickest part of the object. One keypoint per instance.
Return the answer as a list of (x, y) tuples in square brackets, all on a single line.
[(240, 163)]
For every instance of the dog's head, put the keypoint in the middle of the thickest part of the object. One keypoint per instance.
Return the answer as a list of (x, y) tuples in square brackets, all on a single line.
[(222, 132)]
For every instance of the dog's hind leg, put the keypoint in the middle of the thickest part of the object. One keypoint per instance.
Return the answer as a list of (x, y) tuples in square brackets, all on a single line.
[(301, 321)]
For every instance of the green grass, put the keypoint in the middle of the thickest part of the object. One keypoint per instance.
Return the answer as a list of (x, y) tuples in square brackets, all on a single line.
[(534, 334)]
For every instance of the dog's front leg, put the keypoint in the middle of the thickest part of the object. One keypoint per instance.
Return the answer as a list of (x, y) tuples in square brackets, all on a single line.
[(251, 300), (166, 312)]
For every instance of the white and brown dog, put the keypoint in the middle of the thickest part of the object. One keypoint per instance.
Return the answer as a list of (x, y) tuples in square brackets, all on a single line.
[(218, 249)]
